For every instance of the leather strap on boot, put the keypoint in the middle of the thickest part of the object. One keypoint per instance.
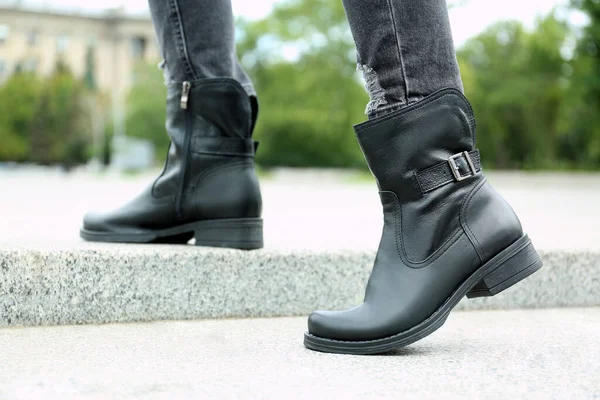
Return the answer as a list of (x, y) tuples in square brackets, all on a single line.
[(224, 146), (459, 167)]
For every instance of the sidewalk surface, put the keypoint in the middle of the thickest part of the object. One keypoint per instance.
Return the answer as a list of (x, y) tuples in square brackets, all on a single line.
[(313, 210), (541, 354)]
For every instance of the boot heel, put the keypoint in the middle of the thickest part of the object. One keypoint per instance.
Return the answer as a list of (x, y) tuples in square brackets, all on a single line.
[(520, 261), (241, 233)]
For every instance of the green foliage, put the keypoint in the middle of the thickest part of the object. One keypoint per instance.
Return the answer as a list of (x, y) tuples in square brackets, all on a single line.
[(18, 99), (311, 97), (535, 93), (146, 108), (517, 86), (60, 128), (581, 143), (535, 107), (44, 121)]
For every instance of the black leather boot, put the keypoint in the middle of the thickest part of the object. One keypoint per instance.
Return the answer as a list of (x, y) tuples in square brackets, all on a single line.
[(447, 233), (208, 188)]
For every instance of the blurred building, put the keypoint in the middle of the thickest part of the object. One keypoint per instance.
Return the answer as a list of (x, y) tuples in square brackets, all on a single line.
[(103, 47)]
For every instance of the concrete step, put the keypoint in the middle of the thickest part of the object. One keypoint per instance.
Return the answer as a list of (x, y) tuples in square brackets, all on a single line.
[(518, 354), (95, 283)]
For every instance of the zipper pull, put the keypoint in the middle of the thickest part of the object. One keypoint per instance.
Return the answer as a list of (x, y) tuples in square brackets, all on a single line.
[(185, 93)]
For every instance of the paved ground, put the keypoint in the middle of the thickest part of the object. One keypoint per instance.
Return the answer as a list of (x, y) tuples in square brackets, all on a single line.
[(542, 354), (310, 210)]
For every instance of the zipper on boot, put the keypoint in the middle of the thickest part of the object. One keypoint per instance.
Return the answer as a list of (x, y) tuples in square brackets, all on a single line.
[(185, 94), (185, 97)]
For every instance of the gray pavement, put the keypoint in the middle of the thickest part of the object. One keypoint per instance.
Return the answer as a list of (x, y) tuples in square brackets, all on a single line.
[(303, 210), (124, 283), (541, 354)]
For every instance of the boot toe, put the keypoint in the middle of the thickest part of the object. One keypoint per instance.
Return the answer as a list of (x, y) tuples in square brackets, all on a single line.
[(96, 222), (355, 324), (335, 325), (318, 324)]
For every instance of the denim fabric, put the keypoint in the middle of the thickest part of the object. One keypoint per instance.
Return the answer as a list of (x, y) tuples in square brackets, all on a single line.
[(404, 47), (405, 50), (196, 38)]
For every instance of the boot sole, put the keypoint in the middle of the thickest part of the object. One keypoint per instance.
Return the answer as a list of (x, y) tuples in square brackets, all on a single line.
[(510, 266), (238, 233)]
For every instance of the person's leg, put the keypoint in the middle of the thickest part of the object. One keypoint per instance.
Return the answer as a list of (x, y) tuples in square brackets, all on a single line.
[(208, 189), (197, 40), (405, 50), (447, 233)]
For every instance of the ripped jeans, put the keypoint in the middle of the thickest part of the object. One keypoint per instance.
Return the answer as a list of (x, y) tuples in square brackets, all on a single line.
[(405, 49)]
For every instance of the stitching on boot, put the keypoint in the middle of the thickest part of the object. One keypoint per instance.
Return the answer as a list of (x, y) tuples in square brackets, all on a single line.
[(376, 92)]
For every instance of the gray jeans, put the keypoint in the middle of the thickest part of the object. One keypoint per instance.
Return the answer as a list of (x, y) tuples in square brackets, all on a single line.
[(404, 47)]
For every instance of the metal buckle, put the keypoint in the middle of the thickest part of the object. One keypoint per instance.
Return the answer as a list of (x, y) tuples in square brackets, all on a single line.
[(455, 170)]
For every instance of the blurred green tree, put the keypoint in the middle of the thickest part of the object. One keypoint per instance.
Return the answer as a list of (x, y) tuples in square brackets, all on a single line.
[(146, 108), (581, 144), (302, 60), (18, 98), (516, 83), (60, 128), (536, 94)]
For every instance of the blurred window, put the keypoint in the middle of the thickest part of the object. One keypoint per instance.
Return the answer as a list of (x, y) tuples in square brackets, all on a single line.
[(30, 65), (32, 37), (62, 43), (4, 31), (138, 47)]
